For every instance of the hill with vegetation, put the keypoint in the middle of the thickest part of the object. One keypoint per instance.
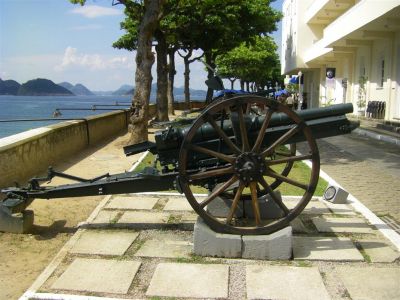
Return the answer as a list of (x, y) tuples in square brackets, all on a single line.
[(9, 87), (77, 89), (124, 90), (42, 87)]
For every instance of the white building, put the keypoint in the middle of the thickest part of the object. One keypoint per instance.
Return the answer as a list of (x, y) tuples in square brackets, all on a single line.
[(354, 38)]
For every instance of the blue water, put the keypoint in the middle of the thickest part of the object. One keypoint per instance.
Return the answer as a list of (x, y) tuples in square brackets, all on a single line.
[(35, 107)]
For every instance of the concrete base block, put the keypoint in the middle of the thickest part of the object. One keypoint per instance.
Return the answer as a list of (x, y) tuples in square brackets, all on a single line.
[(220, 207), (268, 208), (275, 246), (210, 243), (18, 223)]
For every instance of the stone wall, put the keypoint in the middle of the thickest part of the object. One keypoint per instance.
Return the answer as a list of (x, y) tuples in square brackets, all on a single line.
[(29, 153)]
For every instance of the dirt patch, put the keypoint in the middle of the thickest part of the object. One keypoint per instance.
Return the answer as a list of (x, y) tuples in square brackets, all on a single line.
[(24, 256)]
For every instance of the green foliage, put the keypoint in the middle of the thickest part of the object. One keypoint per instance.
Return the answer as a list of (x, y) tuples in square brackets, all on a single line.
[(254, 61), (212, 25)]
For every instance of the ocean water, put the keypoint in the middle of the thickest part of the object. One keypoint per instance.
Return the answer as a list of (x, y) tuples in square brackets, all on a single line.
[(37, 107)]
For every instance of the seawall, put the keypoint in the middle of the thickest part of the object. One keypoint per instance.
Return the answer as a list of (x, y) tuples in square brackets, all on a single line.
[(28, 154)]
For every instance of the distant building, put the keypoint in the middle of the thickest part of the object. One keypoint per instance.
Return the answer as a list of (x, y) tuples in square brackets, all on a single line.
[(339, 45)]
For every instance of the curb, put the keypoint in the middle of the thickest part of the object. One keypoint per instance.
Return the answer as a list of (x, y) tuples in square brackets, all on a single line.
[(377, 136)]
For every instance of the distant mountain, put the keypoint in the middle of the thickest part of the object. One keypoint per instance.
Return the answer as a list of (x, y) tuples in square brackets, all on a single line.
[(77, 89), (123, 90), (42, 87), (128, 90), (194, 94), (9, 87)]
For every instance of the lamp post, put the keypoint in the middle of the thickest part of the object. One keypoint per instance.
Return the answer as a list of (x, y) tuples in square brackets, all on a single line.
[(300, 102)]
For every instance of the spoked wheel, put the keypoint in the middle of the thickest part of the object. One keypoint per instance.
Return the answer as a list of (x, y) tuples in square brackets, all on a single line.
[(254, 161)]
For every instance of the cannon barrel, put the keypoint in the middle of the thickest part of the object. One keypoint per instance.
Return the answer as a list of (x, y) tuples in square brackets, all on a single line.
[(324, 122)]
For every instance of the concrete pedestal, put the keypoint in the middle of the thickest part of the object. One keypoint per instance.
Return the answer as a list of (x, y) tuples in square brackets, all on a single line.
[(19, 223), (275, 246), (220, 207)]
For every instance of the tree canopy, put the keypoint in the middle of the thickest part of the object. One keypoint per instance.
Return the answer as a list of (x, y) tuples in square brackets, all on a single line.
[(253, 61)]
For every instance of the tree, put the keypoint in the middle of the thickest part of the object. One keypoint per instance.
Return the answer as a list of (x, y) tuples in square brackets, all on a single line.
[(130, 40), (146, 16), (187, 60), (252, 62)]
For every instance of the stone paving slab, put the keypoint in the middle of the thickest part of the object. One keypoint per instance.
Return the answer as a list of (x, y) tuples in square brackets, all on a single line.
[(166, 249), (137, 217), (142, 202), (105, 217), (379, 252), (340, 209), (189, 280), (371, 283), (284, 282), (325, 248), (178, 203), (104, 242), (98, 275), (350, 225), (298, 226), (312, 208)]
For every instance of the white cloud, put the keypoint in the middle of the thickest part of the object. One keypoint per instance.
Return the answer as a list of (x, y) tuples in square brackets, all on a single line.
[(72, 58), (95, 11)]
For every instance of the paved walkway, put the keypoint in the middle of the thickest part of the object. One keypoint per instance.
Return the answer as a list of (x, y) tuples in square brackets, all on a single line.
[(368, 169)]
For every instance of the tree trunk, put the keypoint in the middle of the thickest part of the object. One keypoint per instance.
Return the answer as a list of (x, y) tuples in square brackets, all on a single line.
[(139, 112), (162, 77), (171, 78), (232, 82), (187, 80), (210, 75), (241, 84)]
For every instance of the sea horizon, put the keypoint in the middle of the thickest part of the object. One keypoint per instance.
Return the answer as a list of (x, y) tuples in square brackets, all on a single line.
[(43, 107)]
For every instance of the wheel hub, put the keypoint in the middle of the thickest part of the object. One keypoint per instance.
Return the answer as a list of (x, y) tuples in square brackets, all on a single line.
[(249, 167)]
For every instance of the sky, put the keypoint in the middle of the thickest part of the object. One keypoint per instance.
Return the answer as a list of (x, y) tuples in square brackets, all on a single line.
[(60, 41)]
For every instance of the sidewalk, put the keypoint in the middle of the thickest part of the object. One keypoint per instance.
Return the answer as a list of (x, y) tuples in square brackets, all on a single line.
[(376, 129), (139, 246)]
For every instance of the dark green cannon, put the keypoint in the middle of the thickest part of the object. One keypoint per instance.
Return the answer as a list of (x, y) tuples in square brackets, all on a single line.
[(239, 149)]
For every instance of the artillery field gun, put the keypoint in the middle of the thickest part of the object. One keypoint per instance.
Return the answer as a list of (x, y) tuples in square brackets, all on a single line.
[(239, 149)]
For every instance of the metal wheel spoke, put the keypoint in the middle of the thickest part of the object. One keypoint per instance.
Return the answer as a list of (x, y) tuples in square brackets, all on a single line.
[(281, 140), (254, 202), (289, 159), (286, 179), (235, 203), (210, 152), (223, 135), (260, 137), (218, 191), (243, 131), (211, 173), (273, 196)]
